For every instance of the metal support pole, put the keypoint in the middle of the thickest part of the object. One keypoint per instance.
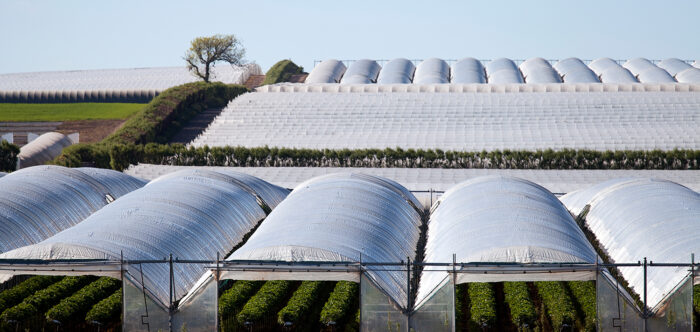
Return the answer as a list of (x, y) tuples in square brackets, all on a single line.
[(408, 286), (645, 311), (692, 284), (170, 304)]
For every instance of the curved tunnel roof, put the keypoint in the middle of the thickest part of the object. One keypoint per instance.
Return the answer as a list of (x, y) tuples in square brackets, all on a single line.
[(468, 70), (190, 214), (342, 217), (361, 72), (328, 71), (38, 202), (539, 70), (432, 71), (637, 218), (397, 71), (44, 148), (573, 70)]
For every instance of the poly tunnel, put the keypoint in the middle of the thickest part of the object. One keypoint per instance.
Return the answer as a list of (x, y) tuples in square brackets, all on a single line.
[(361, 72), (192, 215), (497, 219), (432, 71), (503, 71), (610, 71), (539, 70), (328, 71), (468, 70), (690, 75), (673, 66), (573, 70), (397, 71), (44, 148), (646, 218), (341, 218), (38, 202)]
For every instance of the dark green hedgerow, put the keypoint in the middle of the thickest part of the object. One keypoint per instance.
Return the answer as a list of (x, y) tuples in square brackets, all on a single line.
[(522, 309), (8, 156), (78, 304), (44, 299), (267, 301), (281, 71), (106, 311), (559, 306), (584, 294), (301, 305), (340, 303), (482, 304), (17, 294)]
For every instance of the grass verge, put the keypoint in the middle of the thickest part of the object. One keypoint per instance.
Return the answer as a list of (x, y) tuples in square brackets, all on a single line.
[(66, 112)]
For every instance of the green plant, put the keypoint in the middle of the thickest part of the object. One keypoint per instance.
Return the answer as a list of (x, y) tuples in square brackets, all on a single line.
[(45, 298), (482, 301), (267, 301), (558, 303), (584, 294), (696, 298), (82, 301), (461, 307), (8, 156), (15, 295), (32, 112), (340, 303), (281, 71), (235, 297), (302, 302), (106, 311), (522, 310)]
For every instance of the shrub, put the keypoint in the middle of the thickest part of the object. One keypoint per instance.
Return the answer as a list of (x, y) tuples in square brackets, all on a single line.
[(282, 71), (558, 304), (302, 302), (482, 304), (522, 310), (45, 298), (584, 294), (235, 297), (81, 301), (268, 300), (339, 305), (15, 295), (8, 156), (106, 311)]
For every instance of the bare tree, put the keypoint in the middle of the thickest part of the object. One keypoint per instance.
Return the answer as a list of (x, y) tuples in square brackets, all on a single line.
[(205, 51)]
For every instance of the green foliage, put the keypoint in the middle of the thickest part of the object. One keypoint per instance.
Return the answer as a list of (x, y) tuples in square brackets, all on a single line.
[(339, 305), (108, 310), (45, 298), (461, 307), (15, 295), (205, 51), (696, 298), (83, 300), (8, 156), (558, 303), (67, 111), (267, 301), (282, 71), (482, 301), (584, 294), (300, 306), (522, 310), (235, 297)]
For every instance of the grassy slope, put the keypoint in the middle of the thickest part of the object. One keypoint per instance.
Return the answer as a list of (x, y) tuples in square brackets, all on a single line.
[(66, 112)]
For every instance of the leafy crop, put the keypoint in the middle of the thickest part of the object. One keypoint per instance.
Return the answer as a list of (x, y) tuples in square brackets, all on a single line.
[(340, 303), (45, 298), (15, 295), (558, 304), (107, 310), (82, 301), (584, 294), (482, 301), (522, 309), (267, 301), (302, 302), (235, 297)]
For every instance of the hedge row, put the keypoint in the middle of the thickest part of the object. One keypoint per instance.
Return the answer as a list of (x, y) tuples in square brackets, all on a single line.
[(44, 299), (120, 156), (340, 303), (281, 71), (584, 293), (522, 309), (482, 304), (267, 301), (560, 309), (8, 156), (107, 310), (17, 294), (302, 302), (82, 301)]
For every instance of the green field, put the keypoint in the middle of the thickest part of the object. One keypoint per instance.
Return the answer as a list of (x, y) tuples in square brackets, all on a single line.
[(66, 112)]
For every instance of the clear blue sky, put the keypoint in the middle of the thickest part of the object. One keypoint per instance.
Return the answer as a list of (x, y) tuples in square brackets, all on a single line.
[(64, 35)]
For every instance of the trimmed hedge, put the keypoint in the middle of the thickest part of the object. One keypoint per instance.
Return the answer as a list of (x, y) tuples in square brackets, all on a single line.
[(106, 311), (235, 297), (522, 309), (8, 156), (300, 306), (267, 301), (584, 294), (82, 301), (559, 306), (482, 304), (17, 294), (339, 305), (281, 71), (45, 298)]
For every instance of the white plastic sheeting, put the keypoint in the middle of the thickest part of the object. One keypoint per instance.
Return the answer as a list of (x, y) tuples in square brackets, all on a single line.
[(397, 71), (673, 66), (40, 201), (342, 217), (505, 220), (361, 72), (647, 72), (610, 71), (539, 70), (159, 78), (690, 75), (573, 70), (592, 116), (640, 218), (328, 71), (467, 71), (503, 71), (432, 71), (43, 149), (192, 214)]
